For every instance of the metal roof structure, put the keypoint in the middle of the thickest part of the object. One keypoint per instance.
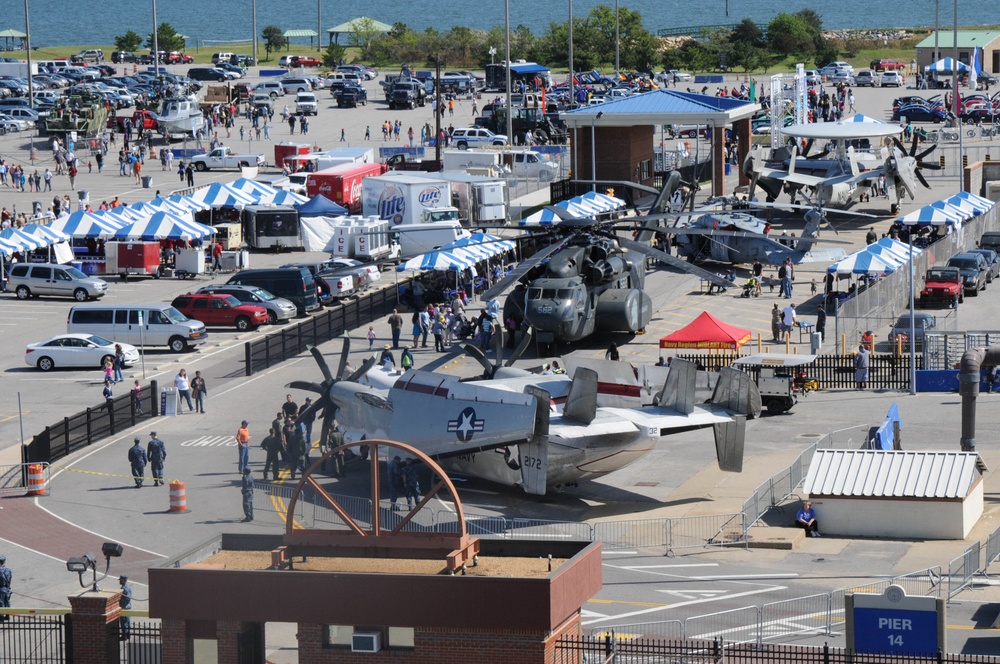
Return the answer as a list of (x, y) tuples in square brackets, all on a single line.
[(662, 107), (300, 33), (891, 474), (966, 39)]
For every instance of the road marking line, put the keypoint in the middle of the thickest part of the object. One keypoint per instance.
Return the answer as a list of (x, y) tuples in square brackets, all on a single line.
[(668, 566), (690, 603), (723, 577), (606, 552)]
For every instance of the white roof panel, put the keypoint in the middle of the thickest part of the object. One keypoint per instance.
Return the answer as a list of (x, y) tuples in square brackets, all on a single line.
[(878, 474)]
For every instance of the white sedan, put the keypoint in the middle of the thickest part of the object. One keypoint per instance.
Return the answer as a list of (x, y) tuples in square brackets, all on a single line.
[(75, 350)]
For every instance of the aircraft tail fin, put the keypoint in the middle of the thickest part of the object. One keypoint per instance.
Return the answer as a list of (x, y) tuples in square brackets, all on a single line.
[(534, 452), (581, 403), (852, 158), (737, 393), (678, 390), (729, 441), (791, 160)]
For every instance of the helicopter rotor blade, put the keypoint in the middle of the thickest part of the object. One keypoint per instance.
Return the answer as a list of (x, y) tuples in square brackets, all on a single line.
[(521, 347), (519, 271), (675, 262)]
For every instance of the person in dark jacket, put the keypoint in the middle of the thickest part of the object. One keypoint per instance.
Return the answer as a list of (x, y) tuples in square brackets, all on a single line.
[(156, 452), (137, 461), (246, 487)]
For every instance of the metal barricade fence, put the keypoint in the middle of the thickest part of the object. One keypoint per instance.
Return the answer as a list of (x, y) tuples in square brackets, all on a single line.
[(479, 525), (943, 350), (703, 531), (270, 503), (992, 549), (667, 629), (552, 530), (632, 533), (359, 509), (798, 616), (143, 645), (14, 478), (736, 625), (962, 569)]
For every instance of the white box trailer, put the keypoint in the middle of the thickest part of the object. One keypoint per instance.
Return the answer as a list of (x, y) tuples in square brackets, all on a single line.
[(406, 199), (481, 201), (460, 160)]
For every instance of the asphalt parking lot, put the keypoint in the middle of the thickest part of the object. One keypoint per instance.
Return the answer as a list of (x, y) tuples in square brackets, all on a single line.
[(91, 489)]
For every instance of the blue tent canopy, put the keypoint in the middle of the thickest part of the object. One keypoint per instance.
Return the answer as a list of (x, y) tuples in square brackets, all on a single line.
[(320, 206), (528, 68)]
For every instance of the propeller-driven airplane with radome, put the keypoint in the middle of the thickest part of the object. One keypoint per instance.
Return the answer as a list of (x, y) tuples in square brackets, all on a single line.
[(537, 431), (839, 180)]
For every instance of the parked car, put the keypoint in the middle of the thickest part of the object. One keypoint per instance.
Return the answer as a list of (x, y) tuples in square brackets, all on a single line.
[(75, 350), (273, 88), (992, 263), (813, 77), (221, 310), (29, 280), (865, 77), (887, 64), (974, 271), (178, 58), (474, 137), (119, 57), (352, 95), (364, 274), (922, 323), (891, 78), (919, 113), (278, 308)]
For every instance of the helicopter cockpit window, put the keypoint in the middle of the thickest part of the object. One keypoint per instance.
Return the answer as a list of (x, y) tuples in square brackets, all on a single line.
[(534, 293), (564, 294)]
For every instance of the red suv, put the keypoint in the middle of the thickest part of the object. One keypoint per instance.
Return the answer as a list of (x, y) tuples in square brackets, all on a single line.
[(887, 64), (178, 58), (215, 309)]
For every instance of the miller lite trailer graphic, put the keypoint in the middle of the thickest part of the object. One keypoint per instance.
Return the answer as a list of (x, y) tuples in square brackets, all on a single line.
[(342, 184), (401, 199)]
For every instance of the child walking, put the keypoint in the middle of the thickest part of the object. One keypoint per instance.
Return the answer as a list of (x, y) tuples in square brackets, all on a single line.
[(371, 338)]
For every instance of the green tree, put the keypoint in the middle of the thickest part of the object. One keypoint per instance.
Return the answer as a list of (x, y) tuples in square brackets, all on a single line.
[(129, 41), (551, 47), (636, 45), (826, 51), (274, 39), (168, 39), (363, 33), (333, 54), (790, 35)]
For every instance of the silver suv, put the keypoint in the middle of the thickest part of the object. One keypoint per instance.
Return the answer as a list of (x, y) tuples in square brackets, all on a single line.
[(475, 137), (278, 308), (33, 279)]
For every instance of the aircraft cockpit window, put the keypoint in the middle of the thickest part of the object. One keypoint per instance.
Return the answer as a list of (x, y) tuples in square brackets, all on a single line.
[(534, 293), (564, 294), (548, 293)]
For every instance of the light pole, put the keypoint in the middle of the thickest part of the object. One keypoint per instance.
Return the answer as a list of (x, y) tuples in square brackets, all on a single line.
[(156, 45), (506, 36), (617, 70), (593, 151), (572, 99), (955, 98), (319, 24), (492, 52), (253, 26), (31, 85)]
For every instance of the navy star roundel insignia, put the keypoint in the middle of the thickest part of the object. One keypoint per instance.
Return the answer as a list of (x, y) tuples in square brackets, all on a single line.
[(465, 425)]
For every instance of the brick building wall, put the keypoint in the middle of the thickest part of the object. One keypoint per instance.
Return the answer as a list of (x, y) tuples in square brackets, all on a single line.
[(173, 641), (442, 646), (95, 627), (620, 153)]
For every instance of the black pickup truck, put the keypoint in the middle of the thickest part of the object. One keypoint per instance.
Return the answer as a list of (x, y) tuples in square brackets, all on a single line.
[(399, 162), (352, 95)]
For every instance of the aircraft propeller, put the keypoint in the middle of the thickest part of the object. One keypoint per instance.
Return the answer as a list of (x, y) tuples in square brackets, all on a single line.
[(324, 403)]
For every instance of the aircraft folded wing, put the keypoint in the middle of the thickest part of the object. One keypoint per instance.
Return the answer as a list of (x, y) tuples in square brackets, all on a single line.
[(443, 417), (794, 178), (669, 421)]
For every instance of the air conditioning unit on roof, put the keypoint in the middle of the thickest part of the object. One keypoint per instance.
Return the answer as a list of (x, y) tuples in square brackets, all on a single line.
[(366, 642)]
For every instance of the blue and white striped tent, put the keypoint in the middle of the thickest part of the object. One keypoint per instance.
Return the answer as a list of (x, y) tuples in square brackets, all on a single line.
[(219, 195), (954, 209), (547, 217), (187, 202), (971, 200), (19, 237), (930, 216), (861, 262), (608, 202), (85, 224), (283, 197), (9, 248), (886, 254), (861, 117), (945, 66), (899, 248), (437, 260), (505, 245), (46, 231), (164, 226)]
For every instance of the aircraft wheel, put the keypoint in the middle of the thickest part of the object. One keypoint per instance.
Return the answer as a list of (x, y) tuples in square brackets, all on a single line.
[(894, 208)]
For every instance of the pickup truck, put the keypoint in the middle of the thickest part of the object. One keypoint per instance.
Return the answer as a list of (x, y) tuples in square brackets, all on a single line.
[(224, 157), (399, 162), (140, 118), (942, 287)]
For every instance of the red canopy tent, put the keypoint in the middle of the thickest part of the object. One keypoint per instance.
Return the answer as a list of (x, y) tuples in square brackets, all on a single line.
[(706, 331)]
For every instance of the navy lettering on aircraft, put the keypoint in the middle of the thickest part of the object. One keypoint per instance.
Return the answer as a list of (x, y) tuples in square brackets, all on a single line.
[(465, 425)]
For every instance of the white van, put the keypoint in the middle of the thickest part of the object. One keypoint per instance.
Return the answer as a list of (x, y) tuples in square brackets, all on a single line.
[(530, 164), (161, 325), (221, 57)]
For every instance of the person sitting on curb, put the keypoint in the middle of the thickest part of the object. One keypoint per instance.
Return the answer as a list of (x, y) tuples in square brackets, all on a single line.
[(806, 520)]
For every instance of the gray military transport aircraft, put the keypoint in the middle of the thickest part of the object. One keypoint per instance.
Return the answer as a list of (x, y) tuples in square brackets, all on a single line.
[(535, 431)]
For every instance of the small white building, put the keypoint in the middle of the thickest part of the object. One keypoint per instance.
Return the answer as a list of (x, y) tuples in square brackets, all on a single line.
[(901, 495)]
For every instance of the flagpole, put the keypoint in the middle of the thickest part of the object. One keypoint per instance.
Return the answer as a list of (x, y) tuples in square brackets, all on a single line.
[(956, 101)]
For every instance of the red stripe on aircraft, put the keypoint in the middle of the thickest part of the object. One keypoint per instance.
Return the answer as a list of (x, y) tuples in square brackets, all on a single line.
[(619, 389)]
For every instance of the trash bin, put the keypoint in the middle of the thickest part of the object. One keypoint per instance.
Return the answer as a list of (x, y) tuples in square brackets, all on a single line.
[(815, 343), (83, 195), (147, 180), (729, 169)]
